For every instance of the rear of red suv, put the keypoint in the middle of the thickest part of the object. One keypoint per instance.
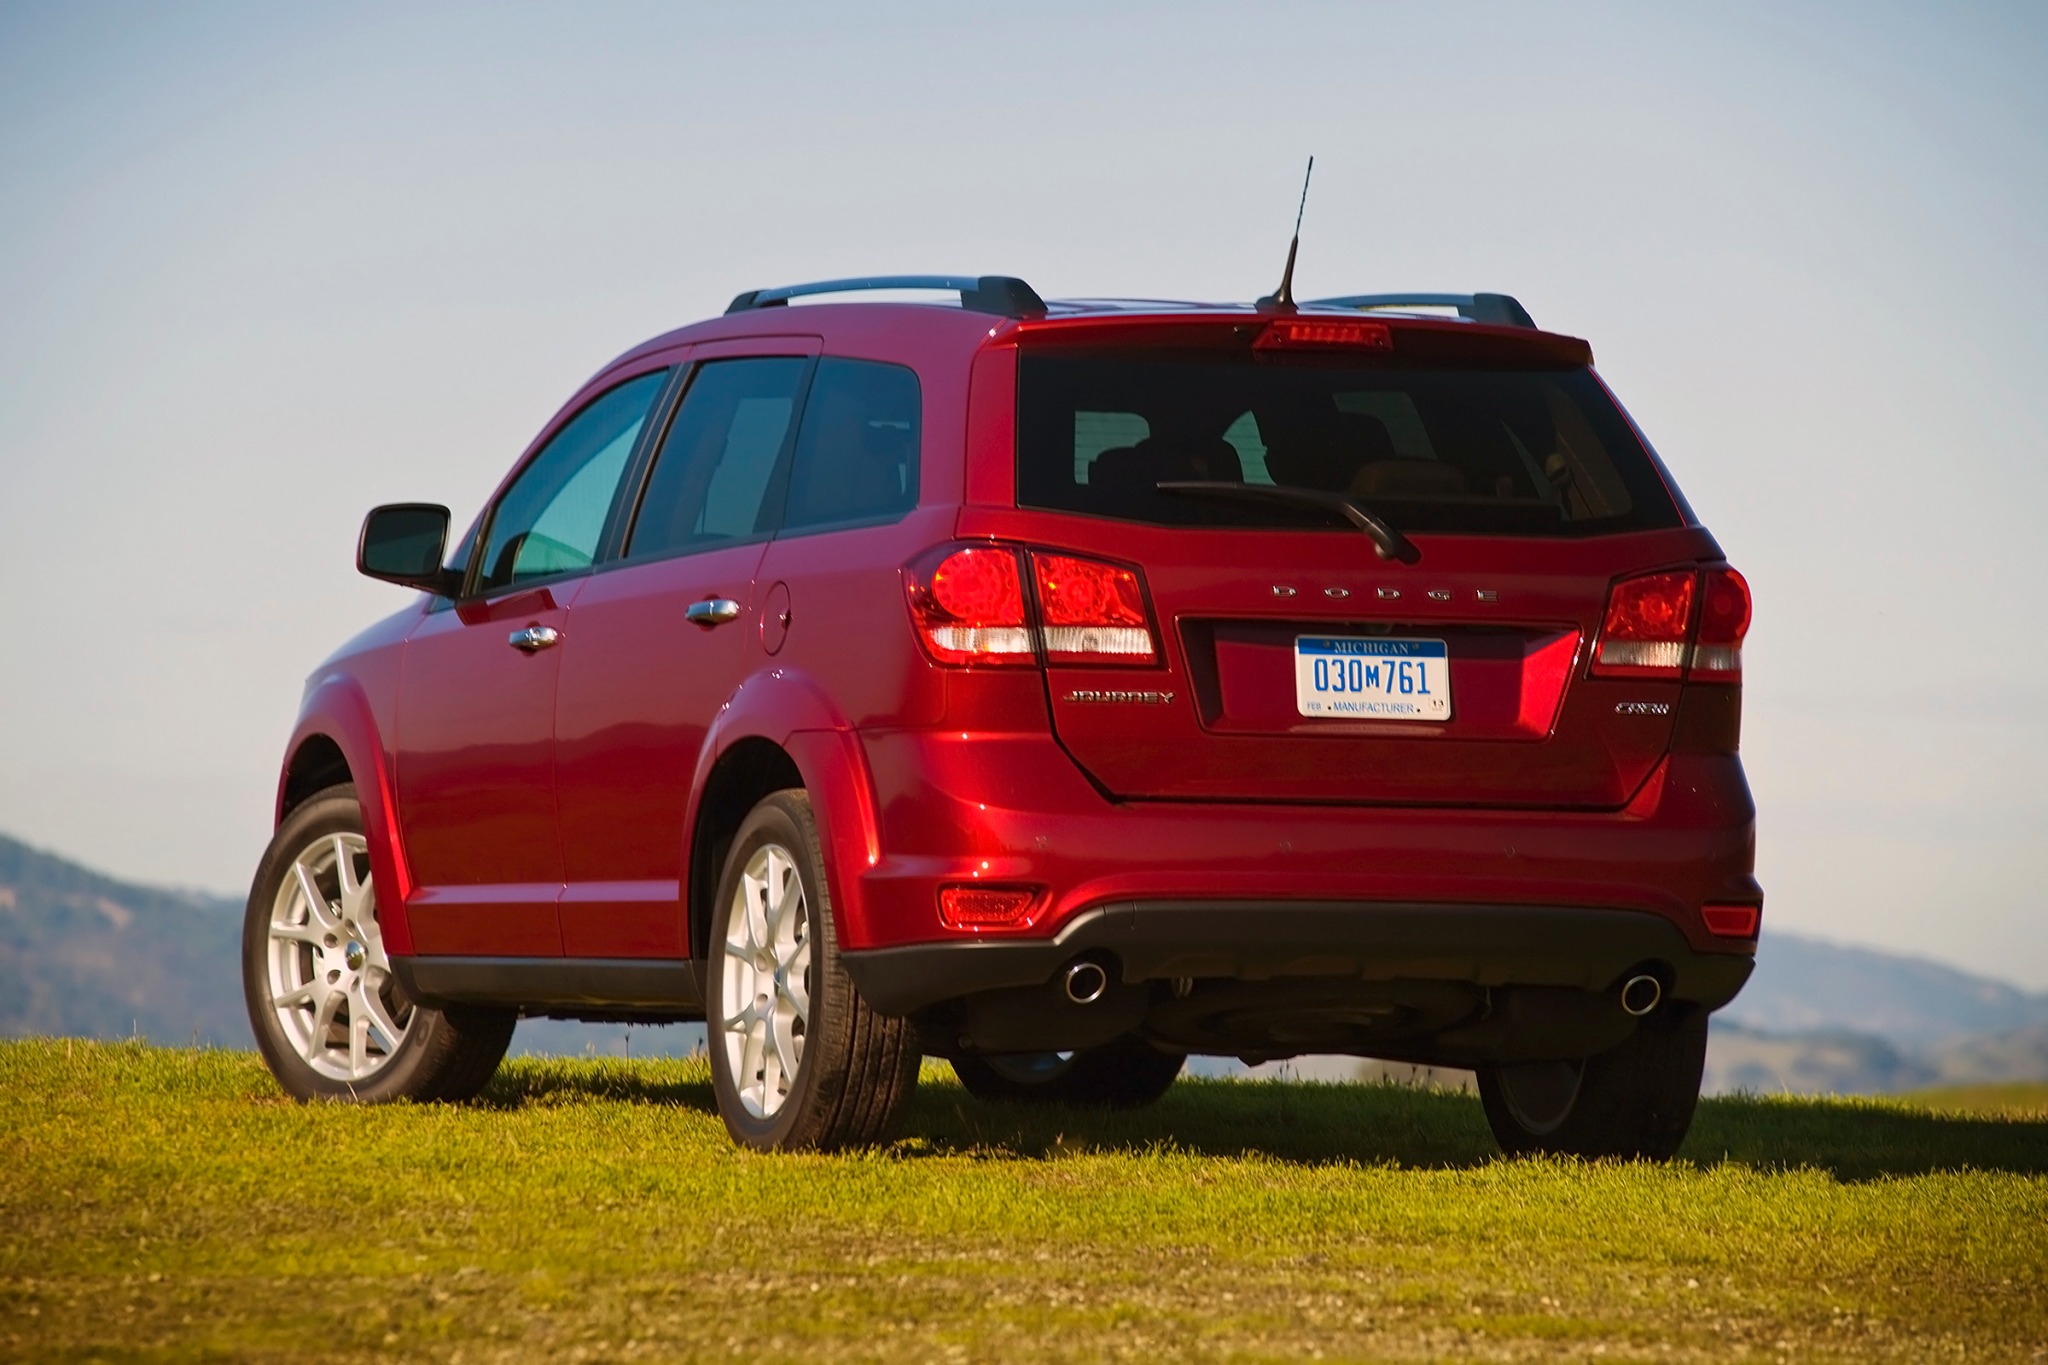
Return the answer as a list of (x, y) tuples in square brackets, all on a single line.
[(1325, 683)]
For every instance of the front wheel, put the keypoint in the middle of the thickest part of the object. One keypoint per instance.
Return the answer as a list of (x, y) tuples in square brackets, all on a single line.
[(798, 1060), (1634, 1100), (1124, 1075), (329, 1017)]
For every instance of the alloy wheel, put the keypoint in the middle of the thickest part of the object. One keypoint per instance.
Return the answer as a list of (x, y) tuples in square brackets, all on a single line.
[(766, 995), (330, 983)]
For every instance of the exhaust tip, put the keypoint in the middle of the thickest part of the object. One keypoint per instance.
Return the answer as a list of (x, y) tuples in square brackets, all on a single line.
[(1085, 982), (1641, 994)]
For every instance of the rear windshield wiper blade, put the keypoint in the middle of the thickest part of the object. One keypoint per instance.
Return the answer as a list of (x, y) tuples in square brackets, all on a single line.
[(1392, 544)]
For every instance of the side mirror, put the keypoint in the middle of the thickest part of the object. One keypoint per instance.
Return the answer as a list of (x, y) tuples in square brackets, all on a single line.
[(403, 543)]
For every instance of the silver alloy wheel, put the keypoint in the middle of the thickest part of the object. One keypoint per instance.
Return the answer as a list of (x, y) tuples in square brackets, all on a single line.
[(765, 1001), (329, 978)]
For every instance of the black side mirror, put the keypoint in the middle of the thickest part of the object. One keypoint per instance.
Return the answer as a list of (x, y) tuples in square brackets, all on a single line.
[(403, 543)]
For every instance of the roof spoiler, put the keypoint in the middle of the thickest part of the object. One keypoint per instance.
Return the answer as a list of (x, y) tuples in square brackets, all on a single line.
[(1005, 296)]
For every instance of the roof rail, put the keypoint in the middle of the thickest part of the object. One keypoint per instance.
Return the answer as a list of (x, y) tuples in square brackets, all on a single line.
[(1001, 295), (1502, 310)]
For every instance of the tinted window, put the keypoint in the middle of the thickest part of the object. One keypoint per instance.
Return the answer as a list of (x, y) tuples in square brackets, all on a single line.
[(856, 454), (1492, 451), (552, 517), (712, 481)]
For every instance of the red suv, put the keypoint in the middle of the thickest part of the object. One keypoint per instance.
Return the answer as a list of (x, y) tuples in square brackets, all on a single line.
[(1057, 688)]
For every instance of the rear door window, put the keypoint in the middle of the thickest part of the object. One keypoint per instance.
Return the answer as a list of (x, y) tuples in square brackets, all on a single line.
[(1513, 452), (714, 480)]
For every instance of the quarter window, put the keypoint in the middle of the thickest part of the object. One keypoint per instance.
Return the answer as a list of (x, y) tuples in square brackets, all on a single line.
[(856, 455), (552, 518)]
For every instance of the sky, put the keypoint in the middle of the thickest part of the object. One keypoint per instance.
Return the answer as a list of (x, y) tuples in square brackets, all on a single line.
[(262, 267)]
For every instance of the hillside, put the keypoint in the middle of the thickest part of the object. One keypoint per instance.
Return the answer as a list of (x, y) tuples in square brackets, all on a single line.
[(86, 955)]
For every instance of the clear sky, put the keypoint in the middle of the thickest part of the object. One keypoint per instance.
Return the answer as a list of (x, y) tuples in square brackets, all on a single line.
[(263, 266)]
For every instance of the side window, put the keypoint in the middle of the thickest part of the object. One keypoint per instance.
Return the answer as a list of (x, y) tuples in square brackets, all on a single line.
[(711, 482), (552, 517), (856, 453)]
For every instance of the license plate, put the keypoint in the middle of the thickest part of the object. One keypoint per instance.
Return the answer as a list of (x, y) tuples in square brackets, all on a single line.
[(1372, 678)]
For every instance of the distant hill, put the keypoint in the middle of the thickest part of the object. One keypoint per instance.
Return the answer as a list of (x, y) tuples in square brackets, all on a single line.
[(1803, 984), (84, 954)]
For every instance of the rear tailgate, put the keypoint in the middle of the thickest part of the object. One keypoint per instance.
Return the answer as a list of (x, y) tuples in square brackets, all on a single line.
[(1300, 662), (1222, 720)]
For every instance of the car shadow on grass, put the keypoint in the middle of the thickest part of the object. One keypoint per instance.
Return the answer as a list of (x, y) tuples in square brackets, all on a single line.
[(1390, 1123)]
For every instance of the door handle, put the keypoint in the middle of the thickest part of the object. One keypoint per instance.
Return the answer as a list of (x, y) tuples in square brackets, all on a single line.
[(712, 611), (534, 639)]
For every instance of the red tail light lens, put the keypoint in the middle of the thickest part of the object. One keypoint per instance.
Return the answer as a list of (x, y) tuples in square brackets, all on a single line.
[(1300, 333), (987, 907), (1733, 921), (1724, 620), (968, 604), (1094, 612), (1648, 624)]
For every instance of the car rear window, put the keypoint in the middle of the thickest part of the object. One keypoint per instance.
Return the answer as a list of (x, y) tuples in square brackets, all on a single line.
[(1485, 451)]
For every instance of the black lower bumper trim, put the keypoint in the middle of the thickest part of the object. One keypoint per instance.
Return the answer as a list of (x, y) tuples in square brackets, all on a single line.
[(1487, 945)]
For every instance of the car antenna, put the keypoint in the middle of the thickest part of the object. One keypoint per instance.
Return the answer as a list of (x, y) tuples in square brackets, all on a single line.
[(1281, 300)]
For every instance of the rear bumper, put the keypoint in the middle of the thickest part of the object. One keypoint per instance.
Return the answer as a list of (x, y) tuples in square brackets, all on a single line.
[(1480, 945)]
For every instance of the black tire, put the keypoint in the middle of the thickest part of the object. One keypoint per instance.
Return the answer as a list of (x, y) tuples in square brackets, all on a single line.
[(855, 1069), (1121, 1075), (447, 1054), (1635, 1100)]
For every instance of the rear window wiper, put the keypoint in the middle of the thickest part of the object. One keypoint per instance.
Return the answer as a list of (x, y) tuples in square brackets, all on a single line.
[(1392, 544)]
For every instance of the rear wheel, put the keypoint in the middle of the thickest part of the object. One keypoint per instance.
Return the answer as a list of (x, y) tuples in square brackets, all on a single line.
[(1634, 1100), (798, 1060), (329, 1017), (1122, 1075)]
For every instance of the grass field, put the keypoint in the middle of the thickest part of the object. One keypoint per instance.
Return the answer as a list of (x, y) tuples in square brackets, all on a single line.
[(165, 1204)]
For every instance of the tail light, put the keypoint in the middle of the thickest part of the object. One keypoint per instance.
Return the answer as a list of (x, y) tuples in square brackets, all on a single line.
[(968, 604), (1652, 631), (1094, 612), (1648, 622), (1724, 620)]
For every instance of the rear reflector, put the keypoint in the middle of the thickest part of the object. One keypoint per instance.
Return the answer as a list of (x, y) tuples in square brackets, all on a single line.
[(986, 907), (1094, 612), (968, 604), (1647, 627), (1298, 333), (1724, 620), (1732, 921)]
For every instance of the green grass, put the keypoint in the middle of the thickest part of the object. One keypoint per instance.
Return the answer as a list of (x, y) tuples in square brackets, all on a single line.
[(2012, 1099), (166, 1204)]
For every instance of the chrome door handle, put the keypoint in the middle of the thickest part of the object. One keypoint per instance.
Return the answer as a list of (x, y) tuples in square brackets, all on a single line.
[(534, 639), (712, 611)]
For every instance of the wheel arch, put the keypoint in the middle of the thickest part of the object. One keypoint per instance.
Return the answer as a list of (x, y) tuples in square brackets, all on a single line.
[(780, 729), (338, 740)]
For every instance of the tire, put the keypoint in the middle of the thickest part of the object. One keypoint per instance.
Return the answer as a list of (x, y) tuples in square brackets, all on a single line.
[(818, 1070), (1634, 1100), (329, 1017), (1122, 1075)]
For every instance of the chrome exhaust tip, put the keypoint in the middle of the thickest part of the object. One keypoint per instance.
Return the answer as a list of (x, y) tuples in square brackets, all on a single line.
[(1085, 982), (1641, 994)]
